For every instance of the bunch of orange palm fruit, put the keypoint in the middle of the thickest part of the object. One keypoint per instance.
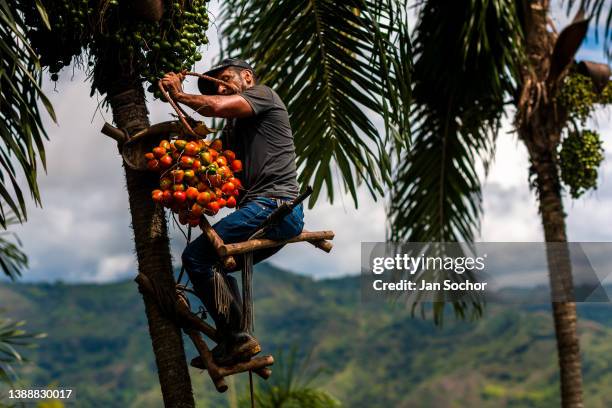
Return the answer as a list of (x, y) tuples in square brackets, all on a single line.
[(196, 177)]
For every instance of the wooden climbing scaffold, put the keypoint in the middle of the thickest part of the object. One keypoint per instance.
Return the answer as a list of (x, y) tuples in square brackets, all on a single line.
[(176, 305)]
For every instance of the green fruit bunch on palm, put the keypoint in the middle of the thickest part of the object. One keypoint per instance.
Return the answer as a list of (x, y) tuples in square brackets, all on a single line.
[(580, 156), (115, 39)]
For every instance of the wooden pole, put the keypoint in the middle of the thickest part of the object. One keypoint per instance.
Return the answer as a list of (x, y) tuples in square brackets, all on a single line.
[(263, 372), (252, 365), (194, 321), (228, 261), (258, 365), (114, 133), (206, 355), (255, 244), (323, 244)]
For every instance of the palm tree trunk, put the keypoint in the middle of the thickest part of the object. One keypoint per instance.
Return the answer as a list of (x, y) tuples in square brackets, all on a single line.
[(152, 250), (559, 264), (540, 121)]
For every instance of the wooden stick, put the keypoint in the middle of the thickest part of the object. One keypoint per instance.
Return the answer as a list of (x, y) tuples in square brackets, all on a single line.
[(229, 262), (171, 126), (263, 372), (206, 355), (183, 309), (252, 365), (323, 244), (114, 133), (194, 321), (196, 324), (254, 244), (218, 373), (180, 113), (215, 80)]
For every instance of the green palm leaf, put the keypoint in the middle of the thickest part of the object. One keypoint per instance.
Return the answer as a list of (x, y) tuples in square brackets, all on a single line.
[(12, 339), (601, 12), (336, 65), (21, 130), (12, 259), (465, 56), (291, 386), (465, 65)]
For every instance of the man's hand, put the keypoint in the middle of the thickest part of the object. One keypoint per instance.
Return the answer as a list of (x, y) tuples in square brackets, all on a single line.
[(173, 83), (223, 106)]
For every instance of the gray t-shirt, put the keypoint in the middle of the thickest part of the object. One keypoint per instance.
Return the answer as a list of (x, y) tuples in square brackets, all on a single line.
[(264, 143)]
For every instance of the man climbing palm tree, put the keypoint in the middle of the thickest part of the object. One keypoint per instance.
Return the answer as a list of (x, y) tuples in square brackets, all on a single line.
[(259, 132)]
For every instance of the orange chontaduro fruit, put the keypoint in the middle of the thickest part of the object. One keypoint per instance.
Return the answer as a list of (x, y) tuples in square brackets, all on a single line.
[(231, 156), (159, 152), (197, 177), (203, 198), (153, 165), (157, 195), (228, 188), (213, 207), (192, 193), (217, 145), (236, 166), (179, 197)]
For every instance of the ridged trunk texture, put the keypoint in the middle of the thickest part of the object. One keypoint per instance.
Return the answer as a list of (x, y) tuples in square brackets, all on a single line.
[(153, 253), (540, 121), (559, 264)]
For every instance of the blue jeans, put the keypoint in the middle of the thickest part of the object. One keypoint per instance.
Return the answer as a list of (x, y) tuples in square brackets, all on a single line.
[(199, 257)]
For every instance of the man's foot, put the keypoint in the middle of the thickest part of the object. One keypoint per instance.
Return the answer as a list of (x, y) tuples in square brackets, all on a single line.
[(239, 348)]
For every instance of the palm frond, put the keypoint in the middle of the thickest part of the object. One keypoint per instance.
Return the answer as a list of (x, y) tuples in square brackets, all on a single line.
[(291, 386), (336, 65), (13, 338), (465, 65), (12, 259), (466, 55), (601, 13), (21, 129)]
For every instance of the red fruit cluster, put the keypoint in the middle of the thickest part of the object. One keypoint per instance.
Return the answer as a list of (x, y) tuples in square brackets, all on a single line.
[(197, 177)]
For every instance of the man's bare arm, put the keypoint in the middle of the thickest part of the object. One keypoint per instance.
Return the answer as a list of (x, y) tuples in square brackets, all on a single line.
[(221, 106)]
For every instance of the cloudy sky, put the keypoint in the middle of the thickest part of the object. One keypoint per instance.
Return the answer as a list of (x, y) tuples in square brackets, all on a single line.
[(83, 232)]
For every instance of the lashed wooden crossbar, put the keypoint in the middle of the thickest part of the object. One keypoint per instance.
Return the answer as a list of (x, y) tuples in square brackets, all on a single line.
[(259, 365), (317, 238), (225, 251), (217, 373), (229, 262), (133, 148), (192, 325)]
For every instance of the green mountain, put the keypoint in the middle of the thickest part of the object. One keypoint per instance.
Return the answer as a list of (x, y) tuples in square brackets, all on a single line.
[(374, 356)]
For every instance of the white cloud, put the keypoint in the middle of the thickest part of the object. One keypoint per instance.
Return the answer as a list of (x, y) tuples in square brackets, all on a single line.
[(112, 267)]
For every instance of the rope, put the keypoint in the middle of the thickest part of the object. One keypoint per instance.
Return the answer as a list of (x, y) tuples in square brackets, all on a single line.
[(182, 115), (251, 389), (248, 309), (180, 277), (248, 320), (223, 295)]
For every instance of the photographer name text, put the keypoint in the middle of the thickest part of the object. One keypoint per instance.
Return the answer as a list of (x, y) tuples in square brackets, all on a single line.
[(420, 264)]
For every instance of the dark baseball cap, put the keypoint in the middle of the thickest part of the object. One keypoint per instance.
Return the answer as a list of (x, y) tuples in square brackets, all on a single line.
[(208, 87)]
